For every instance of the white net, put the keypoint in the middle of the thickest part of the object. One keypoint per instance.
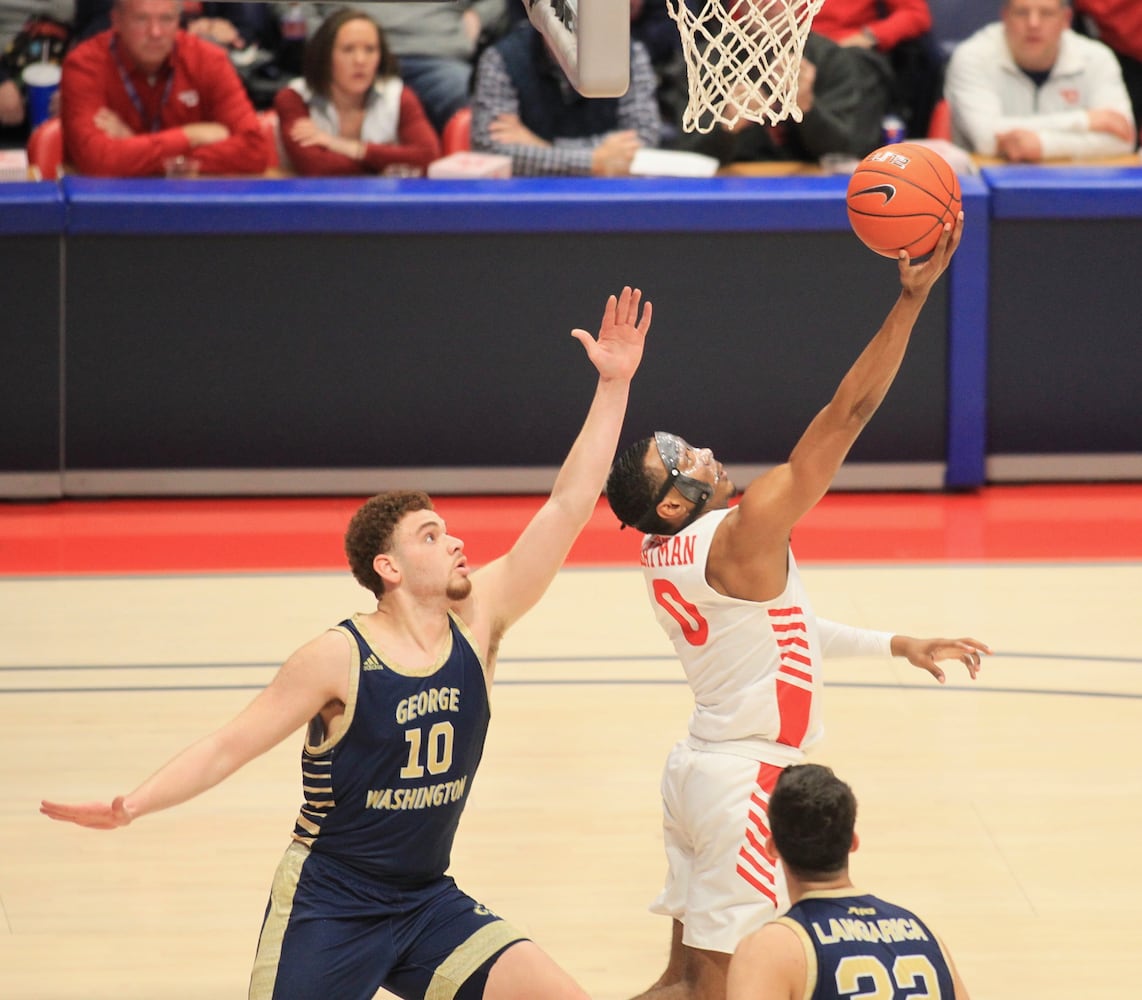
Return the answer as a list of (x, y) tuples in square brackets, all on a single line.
[(743, 58)]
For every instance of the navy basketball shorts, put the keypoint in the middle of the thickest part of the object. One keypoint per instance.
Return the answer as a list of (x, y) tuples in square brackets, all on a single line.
[(331, 931)]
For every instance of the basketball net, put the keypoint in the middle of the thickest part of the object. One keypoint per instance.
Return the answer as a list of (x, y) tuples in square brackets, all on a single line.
[(742, 59)]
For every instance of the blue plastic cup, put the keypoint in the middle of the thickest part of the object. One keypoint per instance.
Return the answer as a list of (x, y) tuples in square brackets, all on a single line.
[(41, 81)]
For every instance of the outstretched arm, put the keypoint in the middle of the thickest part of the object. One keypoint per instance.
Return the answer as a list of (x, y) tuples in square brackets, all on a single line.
[(838, 640), (313, 676), (775, 501), (506, 588)]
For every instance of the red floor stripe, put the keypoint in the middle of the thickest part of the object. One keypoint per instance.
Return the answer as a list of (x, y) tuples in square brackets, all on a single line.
[(1070, 522)]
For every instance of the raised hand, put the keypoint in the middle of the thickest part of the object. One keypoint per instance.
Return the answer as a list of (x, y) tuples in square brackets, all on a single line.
[(926, 653), (95, 815), (918, 279), (618, 350)]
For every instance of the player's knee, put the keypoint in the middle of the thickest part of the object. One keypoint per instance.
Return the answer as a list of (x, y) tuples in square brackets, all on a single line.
[(523, 972)]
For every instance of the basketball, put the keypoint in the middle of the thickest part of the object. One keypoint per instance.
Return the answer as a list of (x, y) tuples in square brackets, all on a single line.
[(899, 198)]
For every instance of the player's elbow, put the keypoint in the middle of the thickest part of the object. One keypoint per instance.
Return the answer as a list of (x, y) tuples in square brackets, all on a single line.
[(861, 413), (569, 511)]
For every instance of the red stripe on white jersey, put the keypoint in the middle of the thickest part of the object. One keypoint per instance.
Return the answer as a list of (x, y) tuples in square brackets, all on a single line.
[(790, 673), (763, 865), (758, 846), (760, 868), (794, 687), (793, 640), (760, 886)]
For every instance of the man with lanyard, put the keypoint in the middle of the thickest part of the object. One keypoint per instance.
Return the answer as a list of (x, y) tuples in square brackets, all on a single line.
[(145, 92)]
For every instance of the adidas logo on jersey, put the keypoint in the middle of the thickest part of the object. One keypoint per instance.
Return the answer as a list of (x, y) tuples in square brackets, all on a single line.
[(372, 663)]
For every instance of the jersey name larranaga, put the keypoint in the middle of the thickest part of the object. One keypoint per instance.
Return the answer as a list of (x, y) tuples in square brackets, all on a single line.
[(862, 945), (386, 795)]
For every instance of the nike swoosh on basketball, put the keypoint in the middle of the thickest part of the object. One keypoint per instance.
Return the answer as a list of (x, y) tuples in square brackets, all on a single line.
[(888, 190)]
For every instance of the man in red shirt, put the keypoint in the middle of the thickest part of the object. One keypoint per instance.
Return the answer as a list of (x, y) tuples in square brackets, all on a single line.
[(145, 92), (1118, 23), (871, 24)]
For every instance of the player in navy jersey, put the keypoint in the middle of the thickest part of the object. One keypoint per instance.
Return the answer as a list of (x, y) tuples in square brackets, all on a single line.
[(835, 941), (726, 588), (396, 703)]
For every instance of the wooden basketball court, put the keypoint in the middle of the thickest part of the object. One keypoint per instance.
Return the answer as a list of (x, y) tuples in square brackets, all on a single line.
[(1005, 811)]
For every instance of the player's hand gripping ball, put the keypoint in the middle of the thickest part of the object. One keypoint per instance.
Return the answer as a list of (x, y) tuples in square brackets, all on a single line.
[(899, 198)]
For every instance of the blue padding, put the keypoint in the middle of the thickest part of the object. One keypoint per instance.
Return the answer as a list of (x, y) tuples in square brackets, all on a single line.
[(967, 344), (34, 207), (1071, 192), (379, 205)]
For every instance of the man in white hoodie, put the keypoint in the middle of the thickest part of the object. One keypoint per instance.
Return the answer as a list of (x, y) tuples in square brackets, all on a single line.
[(1028, 89)]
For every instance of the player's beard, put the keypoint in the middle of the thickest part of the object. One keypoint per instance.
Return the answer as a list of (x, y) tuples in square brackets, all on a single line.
[(458, 590)]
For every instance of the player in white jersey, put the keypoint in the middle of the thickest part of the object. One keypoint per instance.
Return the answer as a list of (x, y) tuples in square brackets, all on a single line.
[(725, 587)]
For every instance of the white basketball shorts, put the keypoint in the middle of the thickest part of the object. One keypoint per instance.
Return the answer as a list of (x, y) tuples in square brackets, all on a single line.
[(720, 883)]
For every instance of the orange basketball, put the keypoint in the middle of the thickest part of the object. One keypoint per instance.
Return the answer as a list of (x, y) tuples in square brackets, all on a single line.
[(899, 198)]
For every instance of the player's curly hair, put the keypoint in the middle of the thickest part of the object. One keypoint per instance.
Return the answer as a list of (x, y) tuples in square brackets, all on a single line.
[(370, 532), (631, 489), (812, 814)]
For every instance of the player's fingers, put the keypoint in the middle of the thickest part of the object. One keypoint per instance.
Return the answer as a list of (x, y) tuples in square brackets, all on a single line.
[(969, 643), (610, 310), (623, 310), (644, 324), (632, 304), (943, 244), (957, 232)]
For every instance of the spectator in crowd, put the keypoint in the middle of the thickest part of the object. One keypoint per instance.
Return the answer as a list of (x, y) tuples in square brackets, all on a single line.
[(145, 92), (843, 93), (30, 31), (869, 24), (11, 103), (652, 25), (231, 24), (812, 820), (523, 106), (351, 113), (436, 42), (247, 31), (1028, 88), (899, 29), (1118, 23)]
